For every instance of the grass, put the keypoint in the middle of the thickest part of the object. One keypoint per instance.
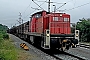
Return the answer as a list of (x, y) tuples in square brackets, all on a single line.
[(8, 51)]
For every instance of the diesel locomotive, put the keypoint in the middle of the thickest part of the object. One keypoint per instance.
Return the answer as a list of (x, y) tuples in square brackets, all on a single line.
[(48, 30)]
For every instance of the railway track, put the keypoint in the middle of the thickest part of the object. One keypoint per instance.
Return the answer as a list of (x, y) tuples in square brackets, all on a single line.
[(84, 45), (59, 55), (74, 56), (67, 56)]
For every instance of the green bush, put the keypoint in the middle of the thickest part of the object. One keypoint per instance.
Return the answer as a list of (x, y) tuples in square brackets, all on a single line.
[(5, 36), (2, 57)]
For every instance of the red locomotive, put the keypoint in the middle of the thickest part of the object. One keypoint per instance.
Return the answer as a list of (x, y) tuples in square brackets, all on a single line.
[(52, 30), (49, 31)]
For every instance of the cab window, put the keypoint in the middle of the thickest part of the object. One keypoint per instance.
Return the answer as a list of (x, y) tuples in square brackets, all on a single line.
[(66, 19), (55, 18)]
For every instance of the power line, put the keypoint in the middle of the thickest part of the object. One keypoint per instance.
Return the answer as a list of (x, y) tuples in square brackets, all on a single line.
[(61, 6), (48, 2), (64, 4), (33, 10), (36, 8), (69, 1), (77, 7), (38, 5), (26, 8), (51, 2)]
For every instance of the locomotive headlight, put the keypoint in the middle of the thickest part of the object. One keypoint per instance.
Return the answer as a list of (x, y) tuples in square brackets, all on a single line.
[(76, 35), (47, 34)]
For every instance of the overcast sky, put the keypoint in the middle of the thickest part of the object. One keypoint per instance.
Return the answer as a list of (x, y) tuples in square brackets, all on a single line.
[(9, 9)]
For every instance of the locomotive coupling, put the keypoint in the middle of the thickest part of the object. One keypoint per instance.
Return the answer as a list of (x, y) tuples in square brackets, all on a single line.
[(24, 46), (65, 44), (64, 41)]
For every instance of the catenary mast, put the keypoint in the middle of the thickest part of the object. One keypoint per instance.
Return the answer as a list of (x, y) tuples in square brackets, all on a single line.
[(49, 6)]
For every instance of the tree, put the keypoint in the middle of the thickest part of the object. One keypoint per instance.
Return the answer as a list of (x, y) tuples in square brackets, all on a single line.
[(84, 27), (3, 27)]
